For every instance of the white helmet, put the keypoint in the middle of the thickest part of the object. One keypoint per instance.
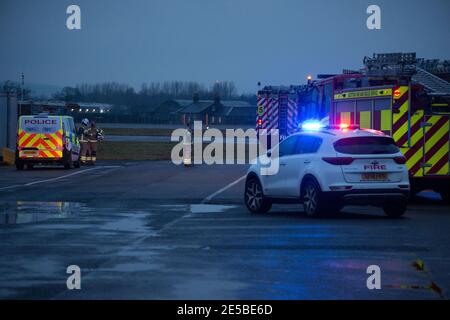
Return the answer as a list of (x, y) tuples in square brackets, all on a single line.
[(85, 122)]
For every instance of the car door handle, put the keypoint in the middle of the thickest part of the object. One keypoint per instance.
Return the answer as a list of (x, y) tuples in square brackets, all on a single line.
[(306, 162), (283, 164)]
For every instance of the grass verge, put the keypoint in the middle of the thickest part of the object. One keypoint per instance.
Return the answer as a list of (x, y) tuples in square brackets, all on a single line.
[(137, 131), (112, 150), (123, 150), (143, 131)]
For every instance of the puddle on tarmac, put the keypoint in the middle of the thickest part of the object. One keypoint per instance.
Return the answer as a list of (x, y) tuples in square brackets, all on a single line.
[(28, 212), (197, 208), (21, 212), (209, 208)]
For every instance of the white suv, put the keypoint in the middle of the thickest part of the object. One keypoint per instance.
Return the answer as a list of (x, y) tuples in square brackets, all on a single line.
[(332, 167)]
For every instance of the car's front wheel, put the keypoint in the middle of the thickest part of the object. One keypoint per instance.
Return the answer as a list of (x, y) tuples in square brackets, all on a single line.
[(254, 198)]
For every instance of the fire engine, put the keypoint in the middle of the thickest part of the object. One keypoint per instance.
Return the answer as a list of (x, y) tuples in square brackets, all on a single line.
[(396, 93)]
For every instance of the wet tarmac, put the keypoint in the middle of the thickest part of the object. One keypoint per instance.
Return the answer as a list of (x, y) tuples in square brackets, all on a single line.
[(143, 230), (29, 212)]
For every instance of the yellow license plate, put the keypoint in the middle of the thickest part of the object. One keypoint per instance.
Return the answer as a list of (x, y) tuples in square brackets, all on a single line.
[(30, 153), (374, 176)]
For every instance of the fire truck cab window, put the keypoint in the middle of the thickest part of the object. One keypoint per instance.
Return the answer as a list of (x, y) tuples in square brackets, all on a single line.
[(382, 104)]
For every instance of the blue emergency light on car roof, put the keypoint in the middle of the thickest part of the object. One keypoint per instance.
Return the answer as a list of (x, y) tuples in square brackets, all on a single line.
[(315, 125), (312, 125)]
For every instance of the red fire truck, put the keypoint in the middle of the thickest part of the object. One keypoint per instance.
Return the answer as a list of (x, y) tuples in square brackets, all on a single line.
[(392, 94)]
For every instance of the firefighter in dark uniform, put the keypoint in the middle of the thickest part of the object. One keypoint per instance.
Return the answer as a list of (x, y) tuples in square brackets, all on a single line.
[(94, 135), (84, 153)]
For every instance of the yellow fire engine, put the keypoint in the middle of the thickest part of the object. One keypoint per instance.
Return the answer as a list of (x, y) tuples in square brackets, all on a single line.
[(393, 94)]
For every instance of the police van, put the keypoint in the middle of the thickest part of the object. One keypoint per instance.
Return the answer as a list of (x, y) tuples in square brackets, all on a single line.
[(47, 139)]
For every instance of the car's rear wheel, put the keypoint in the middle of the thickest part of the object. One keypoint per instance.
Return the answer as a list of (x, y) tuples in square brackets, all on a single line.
[(313, 202), (395, 210), (255, 201), (310, 199)]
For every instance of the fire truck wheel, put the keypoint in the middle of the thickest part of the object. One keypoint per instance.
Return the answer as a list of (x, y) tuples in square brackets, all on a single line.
[(255, 201), (395, 210), (445, 195)]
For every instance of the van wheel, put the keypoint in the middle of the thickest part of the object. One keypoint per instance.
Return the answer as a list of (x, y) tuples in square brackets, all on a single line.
[(396, 210), (67, 160), (254, 198), (19, 165)]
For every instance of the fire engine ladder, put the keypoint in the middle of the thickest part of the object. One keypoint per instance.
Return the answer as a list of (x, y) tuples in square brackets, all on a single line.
[(430, 81), (282, 114)]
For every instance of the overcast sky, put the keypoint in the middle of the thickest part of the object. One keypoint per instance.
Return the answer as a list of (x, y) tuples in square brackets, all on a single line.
[(246, 41)]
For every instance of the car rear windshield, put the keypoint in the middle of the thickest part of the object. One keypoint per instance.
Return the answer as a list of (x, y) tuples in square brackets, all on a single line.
[(366, 145)]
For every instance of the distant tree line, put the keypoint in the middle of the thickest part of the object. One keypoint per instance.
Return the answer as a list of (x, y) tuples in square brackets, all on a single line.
[(151, 94), (15, 87)]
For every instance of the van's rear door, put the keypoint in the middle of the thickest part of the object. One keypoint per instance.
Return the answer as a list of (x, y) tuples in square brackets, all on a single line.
[(40, 137)]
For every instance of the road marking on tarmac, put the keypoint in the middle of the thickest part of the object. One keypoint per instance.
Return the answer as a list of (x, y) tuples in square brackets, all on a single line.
[(58, 178), (228, 186)]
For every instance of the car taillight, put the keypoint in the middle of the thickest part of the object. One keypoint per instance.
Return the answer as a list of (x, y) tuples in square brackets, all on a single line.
[(400, 160), (338, 161), (260, 122)]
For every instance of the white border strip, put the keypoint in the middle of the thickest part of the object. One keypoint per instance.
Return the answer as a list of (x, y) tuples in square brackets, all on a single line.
[(228, 186), (57, 178)]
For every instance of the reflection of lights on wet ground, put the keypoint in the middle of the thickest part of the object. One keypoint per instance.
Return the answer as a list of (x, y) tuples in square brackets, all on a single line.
[(21, 212), (429, 194), (27, 212)]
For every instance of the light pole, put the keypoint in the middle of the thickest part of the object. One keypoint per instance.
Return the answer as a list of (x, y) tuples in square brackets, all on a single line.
[(21, 94)]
